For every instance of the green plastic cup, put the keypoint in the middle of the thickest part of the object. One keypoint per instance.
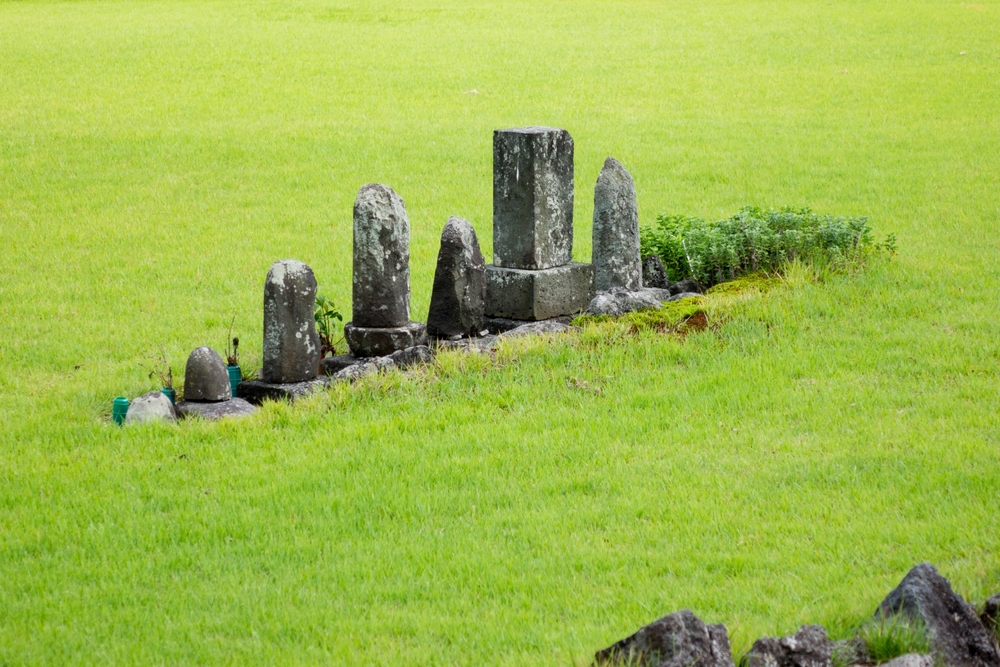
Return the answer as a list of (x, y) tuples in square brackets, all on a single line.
[(235, 377), (119, 409)]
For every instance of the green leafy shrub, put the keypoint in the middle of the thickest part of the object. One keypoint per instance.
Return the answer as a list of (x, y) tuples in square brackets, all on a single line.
[(325, 312), (755, 240)]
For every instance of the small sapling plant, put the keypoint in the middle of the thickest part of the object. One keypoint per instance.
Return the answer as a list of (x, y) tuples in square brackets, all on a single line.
[(325, 312), (233, 349), (161, 369)]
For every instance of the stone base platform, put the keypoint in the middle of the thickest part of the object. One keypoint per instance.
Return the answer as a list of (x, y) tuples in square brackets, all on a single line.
[(234, 407), (499, 325), (258, 391), (379, 342), (519, 294)]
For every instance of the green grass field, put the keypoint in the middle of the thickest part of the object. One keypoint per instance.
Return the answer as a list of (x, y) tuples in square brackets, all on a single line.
[(787, 466)]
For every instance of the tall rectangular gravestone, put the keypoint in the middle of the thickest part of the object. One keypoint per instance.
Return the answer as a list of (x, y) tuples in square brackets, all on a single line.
[(533, 276)]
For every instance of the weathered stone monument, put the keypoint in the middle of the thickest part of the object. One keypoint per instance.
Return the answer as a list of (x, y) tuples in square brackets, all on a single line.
[(458, 298), (616, 258), (381, 296), (207, 392), (291, 343), (533, 276)]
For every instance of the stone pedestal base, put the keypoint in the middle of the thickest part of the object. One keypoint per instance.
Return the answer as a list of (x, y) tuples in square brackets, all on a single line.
[(379, 342), (258, 391), (234, 407), (518, 294)]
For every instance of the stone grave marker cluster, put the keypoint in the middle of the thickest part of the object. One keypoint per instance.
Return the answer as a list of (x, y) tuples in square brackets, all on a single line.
[(533, 285)]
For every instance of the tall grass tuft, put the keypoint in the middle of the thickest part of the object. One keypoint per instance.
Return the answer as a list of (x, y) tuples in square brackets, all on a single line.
[(888, 638)]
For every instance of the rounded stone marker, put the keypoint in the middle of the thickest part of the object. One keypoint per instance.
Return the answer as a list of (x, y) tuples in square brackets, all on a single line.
[(291, 344), (206, 377), (616, 258)]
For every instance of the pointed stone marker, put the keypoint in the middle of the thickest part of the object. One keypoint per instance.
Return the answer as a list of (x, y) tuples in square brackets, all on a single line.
[(381, 296), (291, 344), (459, 294), (616, 258)]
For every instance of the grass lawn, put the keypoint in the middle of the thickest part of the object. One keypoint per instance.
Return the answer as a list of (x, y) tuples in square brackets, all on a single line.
[(786, 466)]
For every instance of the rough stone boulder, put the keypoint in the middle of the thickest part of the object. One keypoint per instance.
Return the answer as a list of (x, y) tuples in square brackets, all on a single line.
[(654, 274), (620, 301), (150, 407), (911, 660), (809, 647), (956, 635), (686, 285), (680, 639), (234, 407)]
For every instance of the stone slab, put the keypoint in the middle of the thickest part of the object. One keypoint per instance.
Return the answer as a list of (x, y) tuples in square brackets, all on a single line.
[(499, 325), (333, 365), (258, 391), (538, 295), (234, 407), (532, 198), (383, 341)]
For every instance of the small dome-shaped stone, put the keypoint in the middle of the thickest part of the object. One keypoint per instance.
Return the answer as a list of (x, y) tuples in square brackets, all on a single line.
[(205, 377)]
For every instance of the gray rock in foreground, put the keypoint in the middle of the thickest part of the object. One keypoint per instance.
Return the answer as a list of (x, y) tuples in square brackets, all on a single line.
[(682, 295), (499, 325), (654, 274), (539, 328), (617, 263), (206, 377), (678, 640), (150, 407), (532, 198), (956, 634), (234, 407), (620, 301), (291, 344), (911, 660), (333, 365), (458, 298), (258, 391), (809, 647), (418, 355), (381, 273)]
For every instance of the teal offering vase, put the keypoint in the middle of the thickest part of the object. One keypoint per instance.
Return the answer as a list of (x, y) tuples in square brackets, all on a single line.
[(169, 393), (235, 377), (119, 409)]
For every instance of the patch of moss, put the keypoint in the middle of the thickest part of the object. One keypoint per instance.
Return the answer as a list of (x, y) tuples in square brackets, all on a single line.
[(759, 281), (670, 317)]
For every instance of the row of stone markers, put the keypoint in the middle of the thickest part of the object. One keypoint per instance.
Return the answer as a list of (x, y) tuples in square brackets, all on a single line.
[(532, 286)]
